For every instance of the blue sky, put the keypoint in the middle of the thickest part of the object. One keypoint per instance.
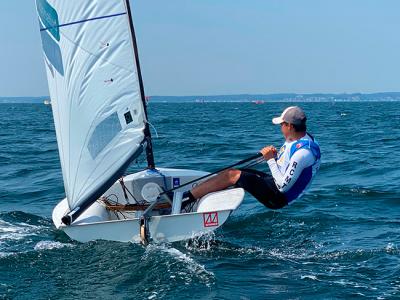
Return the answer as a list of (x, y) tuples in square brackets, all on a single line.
[(204, 47)]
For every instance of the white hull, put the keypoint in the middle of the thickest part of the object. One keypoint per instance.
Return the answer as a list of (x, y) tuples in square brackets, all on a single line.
[(97, 223)]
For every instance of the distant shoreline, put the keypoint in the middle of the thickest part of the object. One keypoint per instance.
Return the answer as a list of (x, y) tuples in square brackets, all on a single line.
[(242, 98)]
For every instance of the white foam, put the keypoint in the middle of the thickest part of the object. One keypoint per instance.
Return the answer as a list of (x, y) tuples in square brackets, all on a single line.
[(292, 257), (19, 232), (312, 277), (206, 242), (354, 284), (201, 243), (48, 245), (191, 267), (390, 247), (16, 231), (152, 296), (252, 251), (5, 254)]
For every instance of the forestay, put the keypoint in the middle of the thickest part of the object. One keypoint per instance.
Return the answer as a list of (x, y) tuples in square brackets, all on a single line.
[(95, 92)]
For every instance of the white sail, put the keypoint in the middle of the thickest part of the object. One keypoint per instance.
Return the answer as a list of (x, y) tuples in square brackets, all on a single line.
[(95, 91)]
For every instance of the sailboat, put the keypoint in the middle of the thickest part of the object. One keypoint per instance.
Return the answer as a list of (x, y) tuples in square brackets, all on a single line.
[(99, 109)]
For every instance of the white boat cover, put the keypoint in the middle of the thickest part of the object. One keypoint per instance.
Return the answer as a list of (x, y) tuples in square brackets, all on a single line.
[(95, 92)]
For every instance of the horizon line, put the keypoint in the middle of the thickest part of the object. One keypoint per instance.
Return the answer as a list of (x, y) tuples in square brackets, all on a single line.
[(242, 94)]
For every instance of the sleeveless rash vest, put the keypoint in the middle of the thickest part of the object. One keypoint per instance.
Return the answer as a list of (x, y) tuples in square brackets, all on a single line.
[(295, 166)]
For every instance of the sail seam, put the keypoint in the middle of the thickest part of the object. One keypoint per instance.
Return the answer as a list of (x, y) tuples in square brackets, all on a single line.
[(83, 21)]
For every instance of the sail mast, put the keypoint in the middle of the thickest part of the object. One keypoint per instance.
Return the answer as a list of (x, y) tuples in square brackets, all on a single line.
[(147, 133)]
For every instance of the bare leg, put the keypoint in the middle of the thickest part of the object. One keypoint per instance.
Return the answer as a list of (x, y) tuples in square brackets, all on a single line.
[(217, 183)]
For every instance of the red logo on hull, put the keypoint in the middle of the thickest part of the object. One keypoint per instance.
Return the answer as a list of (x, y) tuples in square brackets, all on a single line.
[(210, 219)]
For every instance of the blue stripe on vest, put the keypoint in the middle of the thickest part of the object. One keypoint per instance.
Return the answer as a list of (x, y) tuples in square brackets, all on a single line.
[(300, 184), (306, 175)]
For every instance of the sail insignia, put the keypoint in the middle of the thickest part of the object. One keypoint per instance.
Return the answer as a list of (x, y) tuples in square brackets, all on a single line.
[(49, 17)]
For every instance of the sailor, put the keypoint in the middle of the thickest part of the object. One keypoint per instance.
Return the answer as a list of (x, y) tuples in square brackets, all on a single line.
[(292, 167)]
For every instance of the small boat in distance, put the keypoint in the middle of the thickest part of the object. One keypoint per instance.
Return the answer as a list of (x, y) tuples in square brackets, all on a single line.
[(258, 101), (47, 102)]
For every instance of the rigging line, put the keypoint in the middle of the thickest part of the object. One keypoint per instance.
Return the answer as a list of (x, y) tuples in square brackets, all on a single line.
[(252, 164), (108, 200), (83, 21), (121, 181), (125, 189), (123, 215), (152, 126)]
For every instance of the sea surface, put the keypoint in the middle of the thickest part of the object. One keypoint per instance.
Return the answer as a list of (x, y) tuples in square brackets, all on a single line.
[(340, 241)]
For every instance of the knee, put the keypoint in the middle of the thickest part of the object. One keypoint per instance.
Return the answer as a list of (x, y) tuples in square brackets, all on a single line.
[(232, 176)]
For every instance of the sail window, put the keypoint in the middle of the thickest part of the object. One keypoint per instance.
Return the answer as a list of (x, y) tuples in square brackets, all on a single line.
[(128, 117), (103, 134)]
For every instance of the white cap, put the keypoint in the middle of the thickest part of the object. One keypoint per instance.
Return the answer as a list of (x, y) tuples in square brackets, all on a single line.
[(293, 115)]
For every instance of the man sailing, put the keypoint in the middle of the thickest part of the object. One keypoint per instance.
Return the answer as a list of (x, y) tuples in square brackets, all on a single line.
[(292, 168)]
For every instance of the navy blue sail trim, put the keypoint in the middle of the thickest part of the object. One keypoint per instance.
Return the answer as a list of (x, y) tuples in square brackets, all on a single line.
[(84, 21)]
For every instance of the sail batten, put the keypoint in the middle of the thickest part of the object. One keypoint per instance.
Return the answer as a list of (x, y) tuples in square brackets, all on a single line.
[(96, 91), (83, 21)]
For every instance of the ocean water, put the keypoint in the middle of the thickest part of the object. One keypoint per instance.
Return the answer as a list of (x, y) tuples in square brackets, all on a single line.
[(341, 240)]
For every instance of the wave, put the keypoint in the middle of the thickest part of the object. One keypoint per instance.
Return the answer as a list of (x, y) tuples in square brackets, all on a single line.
[(344, 190), (23, 232)]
